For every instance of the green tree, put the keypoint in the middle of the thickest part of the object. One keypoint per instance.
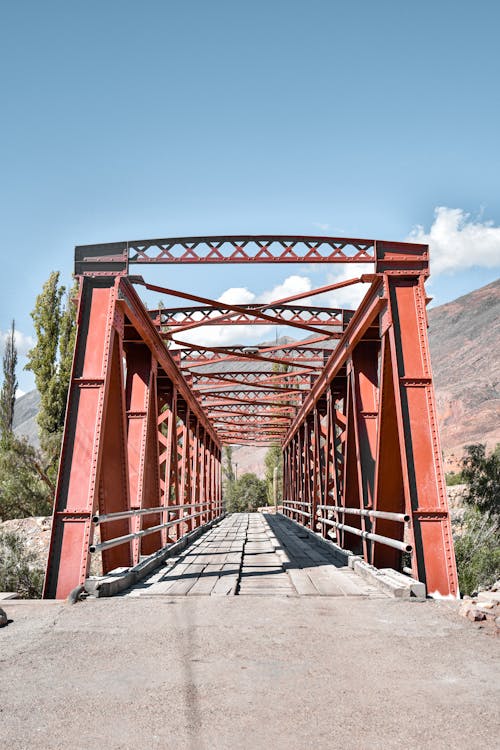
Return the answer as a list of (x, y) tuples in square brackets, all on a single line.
[(477, 540), (481, 473), (9, 387), (453, 479), (227, 464), (477, 551), (19, 568), (25, 488), (50, 361), (246, 494), (274, 460)]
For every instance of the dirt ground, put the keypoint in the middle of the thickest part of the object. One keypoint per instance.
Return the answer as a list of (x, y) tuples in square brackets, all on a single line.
[(246, 672)]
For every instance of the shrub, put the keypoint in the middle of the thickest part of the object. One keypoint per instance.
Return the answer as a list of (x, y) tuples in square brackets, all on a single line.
[(453, 479), (477, 538), (246, 494), (25, 489), (19, 570), (481, 473), (477, 551)]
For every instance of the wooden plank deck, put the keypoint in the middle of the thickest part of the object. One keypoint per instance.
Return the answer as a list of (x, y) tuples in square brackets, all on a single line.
[(254, 554)]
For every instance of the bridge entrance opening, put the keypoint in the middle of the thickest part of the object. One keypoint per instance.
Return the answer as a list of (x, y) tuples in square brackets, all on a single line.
[(349, 398)]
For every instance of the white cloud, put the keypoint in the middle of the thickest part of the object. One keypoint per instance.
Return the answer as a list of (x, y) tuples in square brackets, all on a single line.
[(237, 296), (212, 335), (347, 297), (292, 285), (457, 241), (23, 342)]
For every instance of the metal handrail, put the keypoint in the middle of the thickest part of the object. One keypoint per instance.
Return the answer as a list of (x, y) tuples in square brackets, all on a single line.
[(144, 512), (401, 517), (138, 534), (403, 546), (296, 510)]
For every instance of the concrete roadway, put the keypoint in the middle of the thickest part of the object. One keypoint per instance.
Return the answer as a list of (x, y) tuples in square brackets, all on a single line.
[(260, 671)]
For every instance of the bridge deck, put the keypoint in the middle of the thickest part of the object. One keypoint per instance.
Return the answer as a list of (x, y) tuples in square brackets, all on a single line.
[(254, 554)]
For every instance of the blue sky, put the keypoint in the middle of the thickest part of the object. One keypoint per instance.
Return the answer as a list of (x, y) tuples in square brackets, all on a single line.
[(123, 120)]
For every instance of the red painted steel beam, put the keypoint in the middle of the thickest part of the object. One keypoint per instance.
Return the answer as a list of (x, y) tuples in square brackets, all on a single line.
[(138, 316), (217, 350), (114, 258), (232, 309), (284, 300), (178, 317)]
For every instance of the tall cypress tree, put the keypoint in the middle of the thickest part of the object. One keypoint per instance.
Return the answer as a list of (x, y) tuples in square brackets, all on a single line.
[(67, 334), (25, 487), (9, 387), (50, 360), (42, 359)]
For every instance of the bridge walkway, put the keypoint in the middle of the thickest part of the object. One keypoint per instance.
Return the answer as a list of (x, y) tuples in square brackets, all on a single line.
[(254, 554)]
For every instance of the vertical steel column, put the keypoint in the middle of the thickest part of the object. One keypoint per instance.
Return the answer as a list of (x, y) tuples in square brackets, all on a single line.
[(173, 465), (316, 467), (94, 433), (212, 483), (202, 466), (195, 482), (422, 472), (350, 482), (142, 443), (364, 374), (185, 489)]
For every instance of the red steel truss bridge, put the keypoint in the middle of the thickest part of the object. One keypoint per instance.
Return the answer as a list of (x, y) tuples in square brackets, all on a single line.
[(350, 401)]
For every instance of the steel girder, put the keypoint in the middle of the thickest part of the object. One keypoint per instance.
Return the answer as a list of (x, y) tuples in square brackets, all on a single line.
[(365, 442), (352, 406), (135, 438)]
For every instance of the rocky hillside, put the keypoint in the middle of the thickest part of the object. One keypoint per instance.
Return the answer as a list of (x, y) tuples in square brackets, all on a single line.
[(465, 349), (25, 413)]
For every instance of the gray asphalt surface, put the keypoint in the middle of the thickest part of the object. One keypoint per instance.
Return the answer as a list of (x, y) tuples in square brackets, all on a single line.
[(246, 672)]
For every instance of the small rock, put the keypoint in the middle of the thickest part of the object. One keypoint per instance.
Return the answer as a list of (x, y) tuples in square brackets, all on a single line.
[(475, 615), (489, 596), (465, 608), (3, 618), (497, 622), (488, 604)]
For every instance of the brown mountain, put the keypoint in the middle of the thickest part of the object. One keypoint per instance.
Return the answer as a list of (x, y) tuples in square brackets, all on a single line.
[(465, 350)]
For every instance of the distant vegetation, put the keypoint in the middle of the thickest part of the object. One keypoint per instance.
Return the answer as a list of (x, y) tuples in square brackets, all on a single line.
[(274, 460), (453, 479), (477, 543), (242, 494), (28, 475), (246, 494), (19, 570)]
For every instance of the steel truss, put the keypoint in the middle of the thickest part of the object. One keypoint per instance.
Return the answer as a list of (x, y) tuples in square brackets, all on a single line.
[(352, 406)]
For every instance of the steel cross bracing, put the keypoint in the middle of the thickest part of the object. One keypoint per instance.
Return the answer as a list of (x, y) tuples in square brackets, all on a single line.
[(350, 399)]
